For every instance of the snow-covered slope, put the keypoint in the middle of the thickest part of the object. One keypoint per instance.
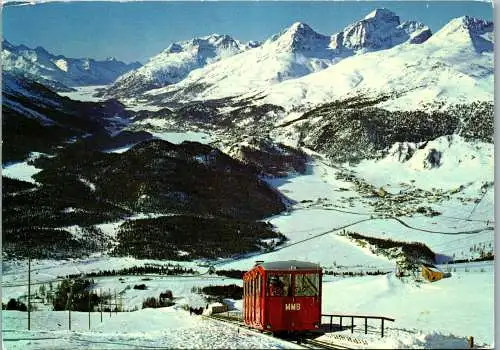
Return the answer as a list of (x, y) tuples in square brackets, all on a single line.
[(453, 66), (60, 72), (295, 52), (175, 62)]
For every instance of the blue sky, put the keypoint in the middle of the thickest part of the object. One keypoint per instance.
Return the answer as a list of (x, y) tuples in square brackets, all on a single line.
[(133, 31)]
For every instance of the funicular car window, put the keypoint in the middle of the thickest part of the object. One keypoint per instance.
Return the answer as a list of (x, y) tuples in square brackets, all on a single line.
[(307, 284), (279, 285)]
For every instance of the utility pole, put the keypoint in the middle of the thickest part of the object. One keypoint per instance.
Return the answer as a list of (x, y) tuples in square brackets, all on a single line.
[(100, 301), (116, 305), (29, 292), (70, 295), (89, 309), (109, 291), (120, 298)]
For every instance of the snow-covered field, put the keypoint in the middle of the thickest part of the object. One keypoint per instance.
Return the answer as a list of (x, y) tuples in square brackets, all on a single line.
[(179, 137), (21, 171), (165, 328), (437, 315), (84, 93)]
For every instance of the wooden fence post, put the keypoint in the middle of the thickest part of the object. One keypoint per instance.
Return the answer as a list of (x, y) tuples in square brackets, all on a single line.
[(382, 327), (352, 324), (366, 325)]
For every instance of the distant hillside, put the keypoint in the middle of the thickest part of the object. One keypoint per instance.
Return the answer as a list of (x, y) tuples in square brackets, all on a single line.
[(85, 187), (347, 133), (183, 237)]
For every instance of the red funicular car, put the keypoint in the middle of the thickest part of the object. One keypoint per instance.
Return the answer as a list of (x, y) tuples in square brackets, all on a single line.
[(283, 296)]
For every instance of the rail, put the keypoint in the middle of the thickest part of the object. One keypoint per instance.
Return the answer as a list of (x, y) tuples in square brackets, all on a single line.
[(352, 317), (302, 342)]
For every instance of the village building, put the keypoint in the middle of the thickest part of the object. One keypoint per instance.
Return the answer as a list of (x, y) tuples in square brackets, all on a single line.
[(431, 273)]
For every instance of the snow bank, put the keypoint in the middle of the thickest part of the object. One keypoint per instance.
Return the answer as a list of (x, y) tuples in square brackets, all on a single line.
[(150, 328)]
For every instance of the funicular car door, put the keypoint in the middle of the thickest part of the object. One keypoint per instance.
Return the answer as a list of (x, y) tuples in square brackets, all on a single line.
[(307, 292), (280, 302)]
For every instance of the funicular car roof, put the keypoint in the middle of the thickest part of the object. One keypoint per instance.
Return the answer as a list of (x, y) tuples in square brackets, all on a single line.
[(289, 265)]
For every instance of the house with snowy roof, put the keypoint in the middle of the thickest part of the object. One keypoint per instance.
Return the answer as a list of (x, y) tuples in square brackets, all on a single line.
[(431, 273)]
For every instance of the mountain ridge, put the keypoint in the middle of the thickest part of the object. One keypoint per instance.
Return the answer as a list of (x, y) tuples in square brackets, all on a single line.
[(175, 62), (295, 52), (59, 72)]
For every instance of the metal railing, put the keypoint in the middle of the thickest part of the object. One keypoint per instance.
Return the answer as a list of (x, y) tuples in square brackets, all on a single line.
[(352, 317)]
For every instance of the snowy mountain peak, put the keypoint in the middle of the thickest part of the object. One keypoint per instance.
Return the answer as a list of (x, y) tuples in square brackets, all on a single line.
[(58, 71), (475, 25), (216, 40), (300, 27), (300, 37), (175, 63), (294, 52), (380, 29), (207, 44), (476, 32), (382, 14), (471, 25)]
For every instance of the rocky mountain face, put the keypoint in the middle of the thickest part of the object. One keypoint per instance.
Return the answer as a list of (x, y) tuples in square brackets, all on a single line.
[(379, 30), (59, 72), (176, 62)]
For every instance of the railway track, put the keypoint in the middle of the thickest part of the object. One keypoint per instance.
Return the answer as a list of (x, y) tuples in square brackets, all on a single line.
[(318, 344), (304, 342)]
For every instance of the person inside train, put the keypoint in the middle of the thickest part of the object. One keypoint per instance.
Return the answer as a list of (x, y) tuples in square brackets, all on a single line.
[(275, 286)]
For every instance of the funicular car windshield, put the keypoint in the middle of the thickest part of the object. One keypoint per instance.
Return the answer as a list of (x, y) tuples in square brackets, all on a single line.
[(307, 285), (279, 285)]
